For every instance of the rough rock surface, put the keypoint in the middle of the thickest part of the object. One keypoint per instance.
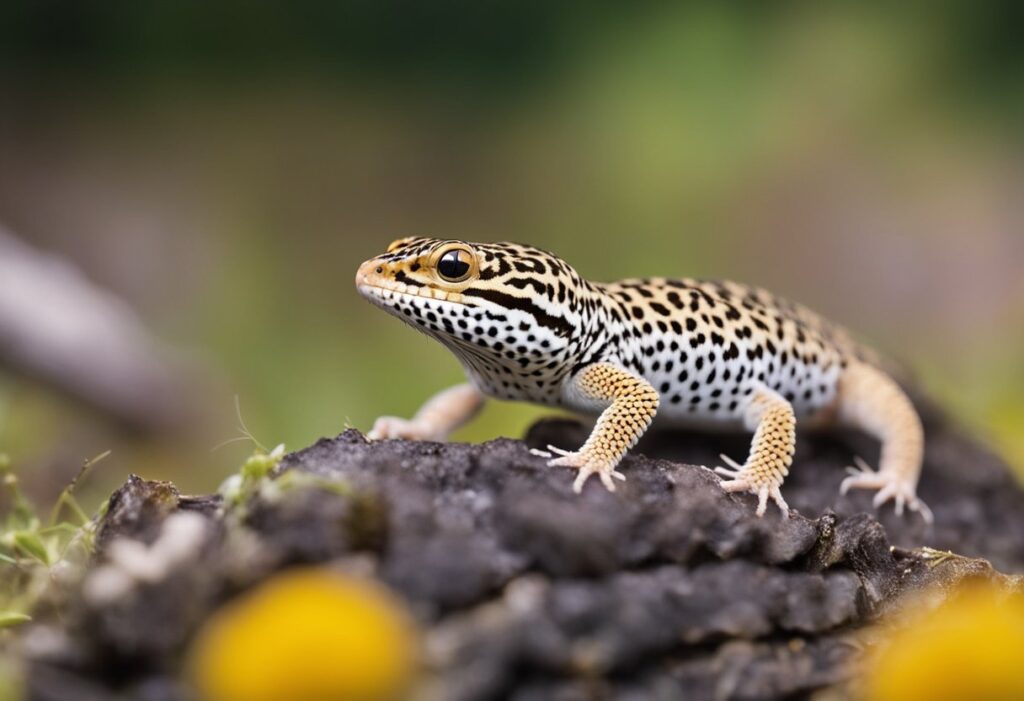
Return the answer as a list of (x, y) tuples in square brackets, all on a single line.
[(667, 589)]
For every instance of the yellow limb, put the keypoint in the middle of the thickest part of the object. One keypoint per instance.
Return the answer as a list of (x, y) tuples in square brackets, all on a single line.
[(629, 404), (771, 418), (439, 416), (871, 401)]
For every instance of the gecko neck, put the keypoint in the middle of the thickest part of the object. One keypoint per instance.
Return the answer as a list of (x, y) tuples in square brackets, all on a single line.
[(586, 330)]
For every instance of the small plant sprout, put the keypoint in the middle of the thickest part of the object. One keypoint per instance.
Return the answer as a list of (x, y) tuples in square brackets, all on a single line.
[(246, 434), (32, 550), (238, 487)]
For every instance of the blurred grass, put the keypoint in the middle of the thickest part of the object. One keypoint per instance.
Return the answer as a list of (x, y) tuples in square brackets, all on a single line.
[(226, 170)]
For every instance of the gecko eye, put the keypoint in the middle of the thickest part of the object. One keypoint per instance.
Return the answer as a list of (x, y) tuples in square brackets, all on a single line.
[(454, 265)]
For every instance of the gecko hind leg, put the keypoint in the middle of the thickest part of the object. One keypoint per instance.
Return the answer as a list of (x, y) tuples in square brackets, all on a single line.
[(772, 419), (871, 401)]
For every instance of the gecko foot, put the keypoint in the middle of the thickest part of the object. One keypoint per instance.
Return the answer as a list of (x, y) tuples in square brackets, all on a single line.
[(745, 480), (900, 490), (395, 427), (587, 466)]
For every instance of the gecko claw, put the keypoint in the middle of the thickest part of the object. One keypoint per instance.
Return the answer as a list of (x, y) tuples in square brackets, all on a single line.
[(394, 427), (733, 470), (859, 470), (892, 487), (585, 473), (586, 467), (604, 475), (741, 480)]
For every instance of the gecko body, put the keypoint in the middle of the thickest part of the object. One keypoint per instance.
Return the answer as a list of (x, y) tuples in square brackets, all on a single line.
[(526, 326)]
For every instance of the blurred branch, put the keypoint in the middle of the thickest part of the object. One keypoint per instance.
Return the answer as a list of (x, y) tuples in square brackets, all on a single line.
[(60, 328)]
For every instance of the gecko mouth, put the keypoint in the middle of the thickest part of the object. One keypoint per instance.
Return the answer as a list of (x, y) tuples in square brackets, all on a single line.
[(382, 290)]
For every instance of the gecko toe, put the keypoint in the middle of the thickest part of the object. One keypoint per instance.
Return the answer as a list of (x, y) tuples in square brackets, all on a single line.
[(735, 485), (762, 501), (581, 479), (733, 471), (890, 488), (773, 493), (776, 496), (763, 492), (728, 472), (918, 506), (586, 467), (862, 481)]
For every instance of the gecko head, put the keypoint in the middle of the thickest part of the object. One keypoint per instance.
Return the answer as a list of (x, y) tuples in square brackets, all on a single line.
[(512, 303), (420, 268)]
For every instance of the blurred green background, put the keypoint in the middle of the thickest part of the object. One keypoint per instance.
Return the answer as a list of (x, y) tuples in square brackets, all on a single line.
[(224, 168)]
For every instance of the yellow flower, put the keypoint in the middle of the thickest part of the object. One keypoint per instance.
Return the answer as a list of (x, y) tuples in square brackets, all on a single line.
[(306, 635), (970, 647)]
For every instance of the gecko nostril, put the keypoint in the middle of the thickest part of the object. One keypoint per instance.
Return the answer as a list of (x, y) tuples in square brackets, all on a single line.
[(380, 269)]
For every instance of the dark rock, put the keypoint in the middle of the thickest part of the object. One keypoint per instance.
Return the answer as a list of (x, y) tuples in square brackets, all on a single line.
[(667, 589), (52, 683), (293, 537), (976, 499), (124, 638), (137, 510)]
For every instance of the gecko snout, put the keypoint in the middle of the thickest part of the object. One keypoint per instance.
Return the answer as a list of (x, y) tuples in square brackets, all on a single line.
[(367, 270)]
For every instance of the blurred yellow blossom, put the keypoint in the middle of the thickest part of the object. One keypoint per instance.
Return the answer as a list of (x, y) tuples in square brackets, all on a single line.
[(307, 635), (969, 647)]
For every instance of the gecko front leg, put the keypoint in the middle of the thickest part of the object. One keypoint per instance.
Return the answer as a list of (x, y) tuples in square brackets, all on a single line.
[(439, 416), (629, 403), (772, 419)]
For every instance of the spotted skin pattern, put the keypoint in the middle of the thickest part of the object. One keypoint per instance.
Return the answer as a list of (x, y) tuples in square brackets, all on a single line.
[(526, 326)]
